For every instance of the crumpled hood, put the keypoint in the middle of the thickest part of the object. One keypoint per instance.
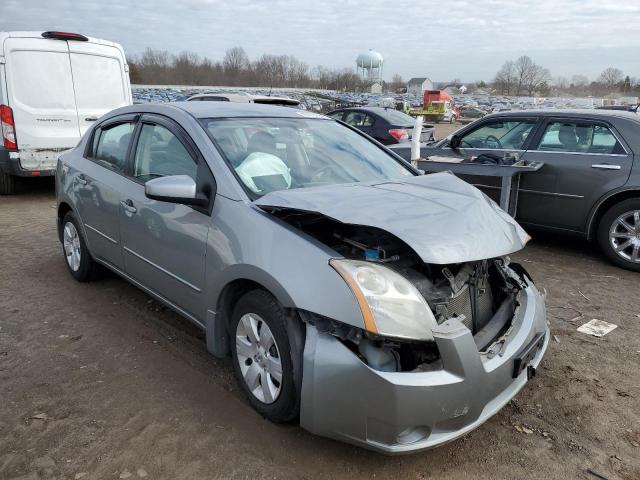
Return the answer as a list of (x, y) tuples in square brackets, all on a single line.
[(444, 219)]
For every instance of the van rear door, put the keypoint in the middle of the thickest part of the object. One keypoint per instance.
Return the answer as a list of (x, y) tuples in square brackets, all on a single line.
[(100, 80), (40, 92)]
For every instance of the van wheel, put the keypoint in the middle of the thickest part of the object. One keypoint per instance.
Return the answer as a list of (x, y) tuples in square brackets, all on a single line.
[(7, 184), (77, 256), (267, 355), (619, 234)]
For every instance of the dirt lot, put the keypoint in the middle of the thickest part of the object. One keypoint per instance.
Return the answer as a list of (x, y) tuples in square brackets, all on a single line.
[(99, 381)]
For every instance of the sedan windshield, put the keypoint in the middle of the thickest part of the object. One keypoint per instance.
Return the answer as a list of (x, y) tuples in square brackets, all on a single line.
[(271, 154)]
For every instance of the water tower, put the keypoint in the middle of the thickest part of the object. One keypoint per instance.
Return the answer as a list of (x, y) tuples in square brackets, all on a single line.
[(369, 65)]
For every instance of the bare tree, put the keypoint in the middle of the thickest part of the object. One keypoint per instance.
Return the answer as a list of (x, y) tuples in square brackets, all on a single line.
[(505, 80), (396, 83), (537, 79), (610, 77)]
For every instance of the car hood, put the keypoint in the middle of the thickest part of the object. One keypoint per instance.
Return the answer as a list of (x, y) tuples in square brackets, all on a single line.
[(444, 219)]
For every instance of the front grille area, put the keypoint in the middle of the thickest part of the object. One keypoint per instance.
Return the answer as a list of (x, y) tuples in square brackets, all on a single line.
[(460, 304)]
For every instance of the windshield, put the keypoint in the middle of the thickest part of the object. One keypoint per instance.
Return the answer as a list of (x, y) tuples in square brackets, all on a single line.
[(271, 154), (394, 117)]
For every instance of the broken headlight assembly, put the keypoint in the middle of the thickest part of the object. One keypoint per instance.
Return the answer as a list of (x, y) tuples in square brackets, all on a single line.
[(391, 305)]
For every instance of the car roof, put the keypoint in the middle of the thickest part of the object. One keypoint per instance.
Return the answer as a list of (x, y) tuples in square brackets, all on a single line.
[(574, 113), (224, 110)]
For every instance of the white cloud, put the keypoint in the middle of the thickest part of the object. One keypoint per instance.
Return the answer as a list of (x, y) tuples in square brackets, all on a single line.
[(458, 38)]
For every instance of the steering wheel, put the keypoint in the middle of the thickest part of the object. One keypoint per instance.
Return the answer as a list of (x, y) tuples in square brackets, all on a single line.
[(492, 138)]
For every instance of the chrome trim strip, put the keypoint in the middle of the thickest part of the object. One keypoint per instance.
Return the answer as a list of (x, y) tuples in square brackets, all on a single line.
[(606, 166), (549, 194), (163, 270), (562, 152), (552, 194), (101, 234)]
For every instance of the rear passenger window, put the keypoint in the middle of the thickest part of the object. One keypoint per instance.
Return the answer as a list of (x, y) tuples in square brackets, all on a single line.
[(112, 144), (161, 153), (359, 119), (579, 138)]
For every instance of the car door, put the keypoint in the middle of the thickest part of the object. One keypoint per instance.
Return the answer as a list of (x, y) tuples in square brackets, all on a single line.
[(98, 183), (164, 243), (501, 136), (583, 160)]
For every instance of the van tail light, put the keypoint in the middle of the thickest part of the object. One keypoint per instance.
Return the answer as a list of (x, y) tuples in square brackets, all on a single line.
[(399, 134), (8, 128)]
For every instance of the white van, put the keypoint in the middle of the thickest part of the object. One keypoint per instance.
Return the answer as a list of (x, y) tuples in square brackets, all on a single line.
[(53, 86)]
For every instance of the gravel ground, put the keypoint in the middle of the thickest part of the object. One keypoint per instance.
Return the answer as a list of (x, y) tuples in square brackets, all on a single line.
[(99, 381)]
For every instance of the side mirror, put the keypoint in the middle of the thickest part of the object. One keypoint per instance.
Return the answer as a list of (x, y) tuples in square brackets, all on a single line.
[(454, 142), (174, 189)]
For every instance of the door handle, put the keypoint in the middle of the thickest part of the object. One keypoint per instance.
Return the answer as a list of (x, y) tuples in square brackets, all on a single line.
[(81, 180), (606, 166), (128, 206), (90, 119)]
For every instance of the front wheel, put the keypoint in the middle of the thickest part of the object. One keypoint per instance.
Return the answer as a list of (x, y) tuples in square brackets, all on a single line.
[(267, 356), (619, 234)]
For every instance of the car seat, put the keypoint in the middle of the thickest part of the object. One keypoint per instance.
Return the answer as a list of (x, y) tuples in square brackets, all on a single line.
[(567, 137)]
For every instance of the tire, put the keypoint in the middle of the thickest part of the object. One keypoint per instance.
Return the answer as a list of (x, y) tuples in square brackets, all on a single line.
[(627, 253), (256, 366), (453, 119), (75, 251), (7, 184)]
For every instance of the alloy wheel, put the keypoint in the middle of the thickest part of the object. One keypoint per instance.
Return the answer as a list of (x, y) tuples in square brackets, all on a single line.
[(259, 358), (72, 249), (624, 236)]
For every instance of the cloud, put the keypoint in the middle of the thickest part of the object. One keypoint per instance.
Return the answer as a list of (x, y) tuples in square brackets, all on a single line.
[(458, 38)]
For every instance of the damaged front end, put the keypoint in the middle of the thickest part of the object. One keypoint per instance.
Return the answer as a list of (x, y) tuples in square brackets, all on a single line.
[(442, 348)]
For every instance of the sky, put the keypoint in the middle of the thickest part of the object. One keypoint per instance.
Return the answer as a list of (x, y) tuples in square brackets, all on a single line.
[(463, 39)]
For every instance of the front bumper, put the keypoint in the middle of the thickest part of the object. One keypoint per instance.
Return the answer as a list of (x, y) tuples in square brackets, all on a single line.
[(401, 412)]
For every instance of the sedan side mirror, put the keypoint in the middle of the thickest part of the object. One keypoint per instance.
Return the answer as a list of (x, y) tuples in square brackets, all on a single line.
[(454, 142), (175, 189)]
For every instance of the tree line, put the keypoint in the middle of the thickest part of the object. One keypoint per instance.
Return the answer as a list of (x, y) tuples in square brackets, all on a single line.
[(522, 76), (525, 77), (236, 69)]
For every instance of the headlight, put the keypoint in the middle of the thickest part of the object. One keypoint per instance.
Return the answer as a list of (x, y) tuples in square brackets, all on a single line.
[(390, 304)]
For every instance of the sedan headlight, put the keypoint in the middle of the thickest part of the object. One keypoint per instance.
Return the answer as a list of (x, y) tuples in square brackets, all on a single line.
[(390, 304)]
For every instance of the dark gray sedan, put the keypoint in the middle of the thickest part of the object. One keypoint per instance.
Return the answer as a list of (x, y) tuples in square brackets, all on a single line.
[(590, 183), (374, 304)]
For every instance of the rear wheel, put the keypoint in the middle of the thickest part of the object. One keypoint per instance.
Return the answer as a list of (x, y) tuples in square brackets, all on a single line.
[(267, 357), (79, 261), (619, 234), (7, 184)]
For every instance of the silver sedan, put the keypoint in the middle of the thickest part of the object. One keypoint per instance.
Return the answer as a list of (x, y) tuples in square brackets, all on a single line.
[(371, 303)]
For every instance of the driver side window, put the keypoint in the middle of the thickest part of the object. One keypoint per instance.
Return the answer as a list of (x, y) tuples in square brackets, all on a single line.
[(161, 153), (499, 135)]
